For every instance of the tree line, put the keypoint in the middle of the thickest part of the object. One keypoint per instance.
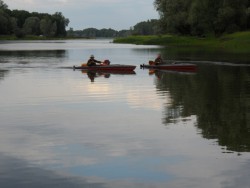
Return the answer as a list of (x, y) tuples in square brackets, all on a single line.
[(182, 17), (149, 27), (95, 33), (203, 17), (21, 23)]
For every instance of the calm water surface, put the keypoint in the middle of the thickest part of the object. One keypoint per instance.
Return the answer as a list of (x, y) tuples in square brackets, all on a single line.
[(65, 128)]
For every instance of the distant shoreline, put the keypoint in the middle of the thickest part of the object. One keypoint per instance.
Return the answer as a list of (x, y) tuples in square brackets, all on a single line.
[(234, 43)]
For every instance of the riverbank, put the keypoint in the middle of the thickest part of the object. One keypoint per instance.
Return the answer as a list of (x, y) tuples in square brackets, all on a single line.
[(234, 43)]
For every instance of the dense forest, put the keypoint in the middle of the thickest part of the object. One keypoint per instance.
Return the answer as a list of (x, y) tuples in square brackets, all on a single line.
[(21, 23), (203, 17)]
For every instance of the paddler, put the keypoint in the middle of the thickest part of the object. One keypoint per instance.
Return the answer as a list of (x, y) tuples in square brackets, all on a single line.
[(158, 60), (92, 61)]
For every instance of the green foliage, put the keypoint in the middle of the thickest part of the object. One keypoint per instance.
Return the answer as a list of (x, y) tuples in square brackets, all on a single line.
[(106, 33), (174, 15), (32, 26), (167, 40), (61, 23), (48, 28), (4, 19), (3, 5), (203, 17), (92, 33), (3, 22), (237, 42), (149, 27), (21, 23)]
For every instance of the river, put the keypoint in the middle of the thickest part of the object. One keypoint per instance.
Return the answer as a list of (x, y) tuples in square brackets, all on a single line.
[(65, 128)]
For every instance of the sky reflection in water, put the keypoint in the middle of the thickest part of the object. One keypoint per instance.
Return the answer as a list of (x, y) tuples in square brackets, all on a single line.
[(59, 129)]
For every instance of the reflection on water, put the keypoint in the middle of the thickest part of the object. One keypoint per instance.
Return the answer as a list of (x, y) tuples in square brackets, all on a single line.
[(175, 85), (24, 174), (224, 112), (220, 98), (31, 58), (92, 75), (3, 73), (201, 54), (66, 128), (33, 53)]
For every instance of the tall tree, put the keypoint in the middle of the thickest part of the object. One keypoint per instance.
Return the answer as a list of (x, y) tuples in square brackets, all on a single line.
[(47, 27), (232, 16), (3, 5), (61, 23), (202, 18), (5, 23), (173, 15), (32, 26), (149, 27), (21, 16)]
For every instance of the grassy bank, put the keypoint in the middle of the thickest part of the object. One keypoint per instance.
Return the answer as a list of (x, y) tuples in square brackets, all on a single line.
[(237, 42)]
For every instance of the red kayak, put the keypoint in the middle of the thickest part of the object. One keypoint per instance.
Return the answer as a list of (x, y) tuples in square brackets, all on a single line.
[(173, 67), (105, 66), (113, 67)]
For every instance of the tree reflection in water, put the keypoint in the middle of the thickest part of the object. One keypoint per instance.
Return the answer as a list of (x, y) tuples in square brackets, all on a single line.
[(3, 73), (220, 98)]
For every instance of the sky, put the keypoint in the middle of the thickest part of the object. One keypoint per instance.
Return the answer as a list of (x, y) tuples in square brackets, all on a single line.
[(114, 14)]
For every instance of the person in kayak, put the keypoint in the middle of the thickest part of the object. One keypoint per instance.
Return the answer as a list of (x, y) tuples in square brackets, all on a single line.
[(92, 61), (158, 60)]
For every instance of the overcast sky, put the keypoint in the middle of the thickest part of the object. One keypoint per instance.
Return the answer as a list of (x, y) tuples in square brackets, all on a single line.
[(115, 14)]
